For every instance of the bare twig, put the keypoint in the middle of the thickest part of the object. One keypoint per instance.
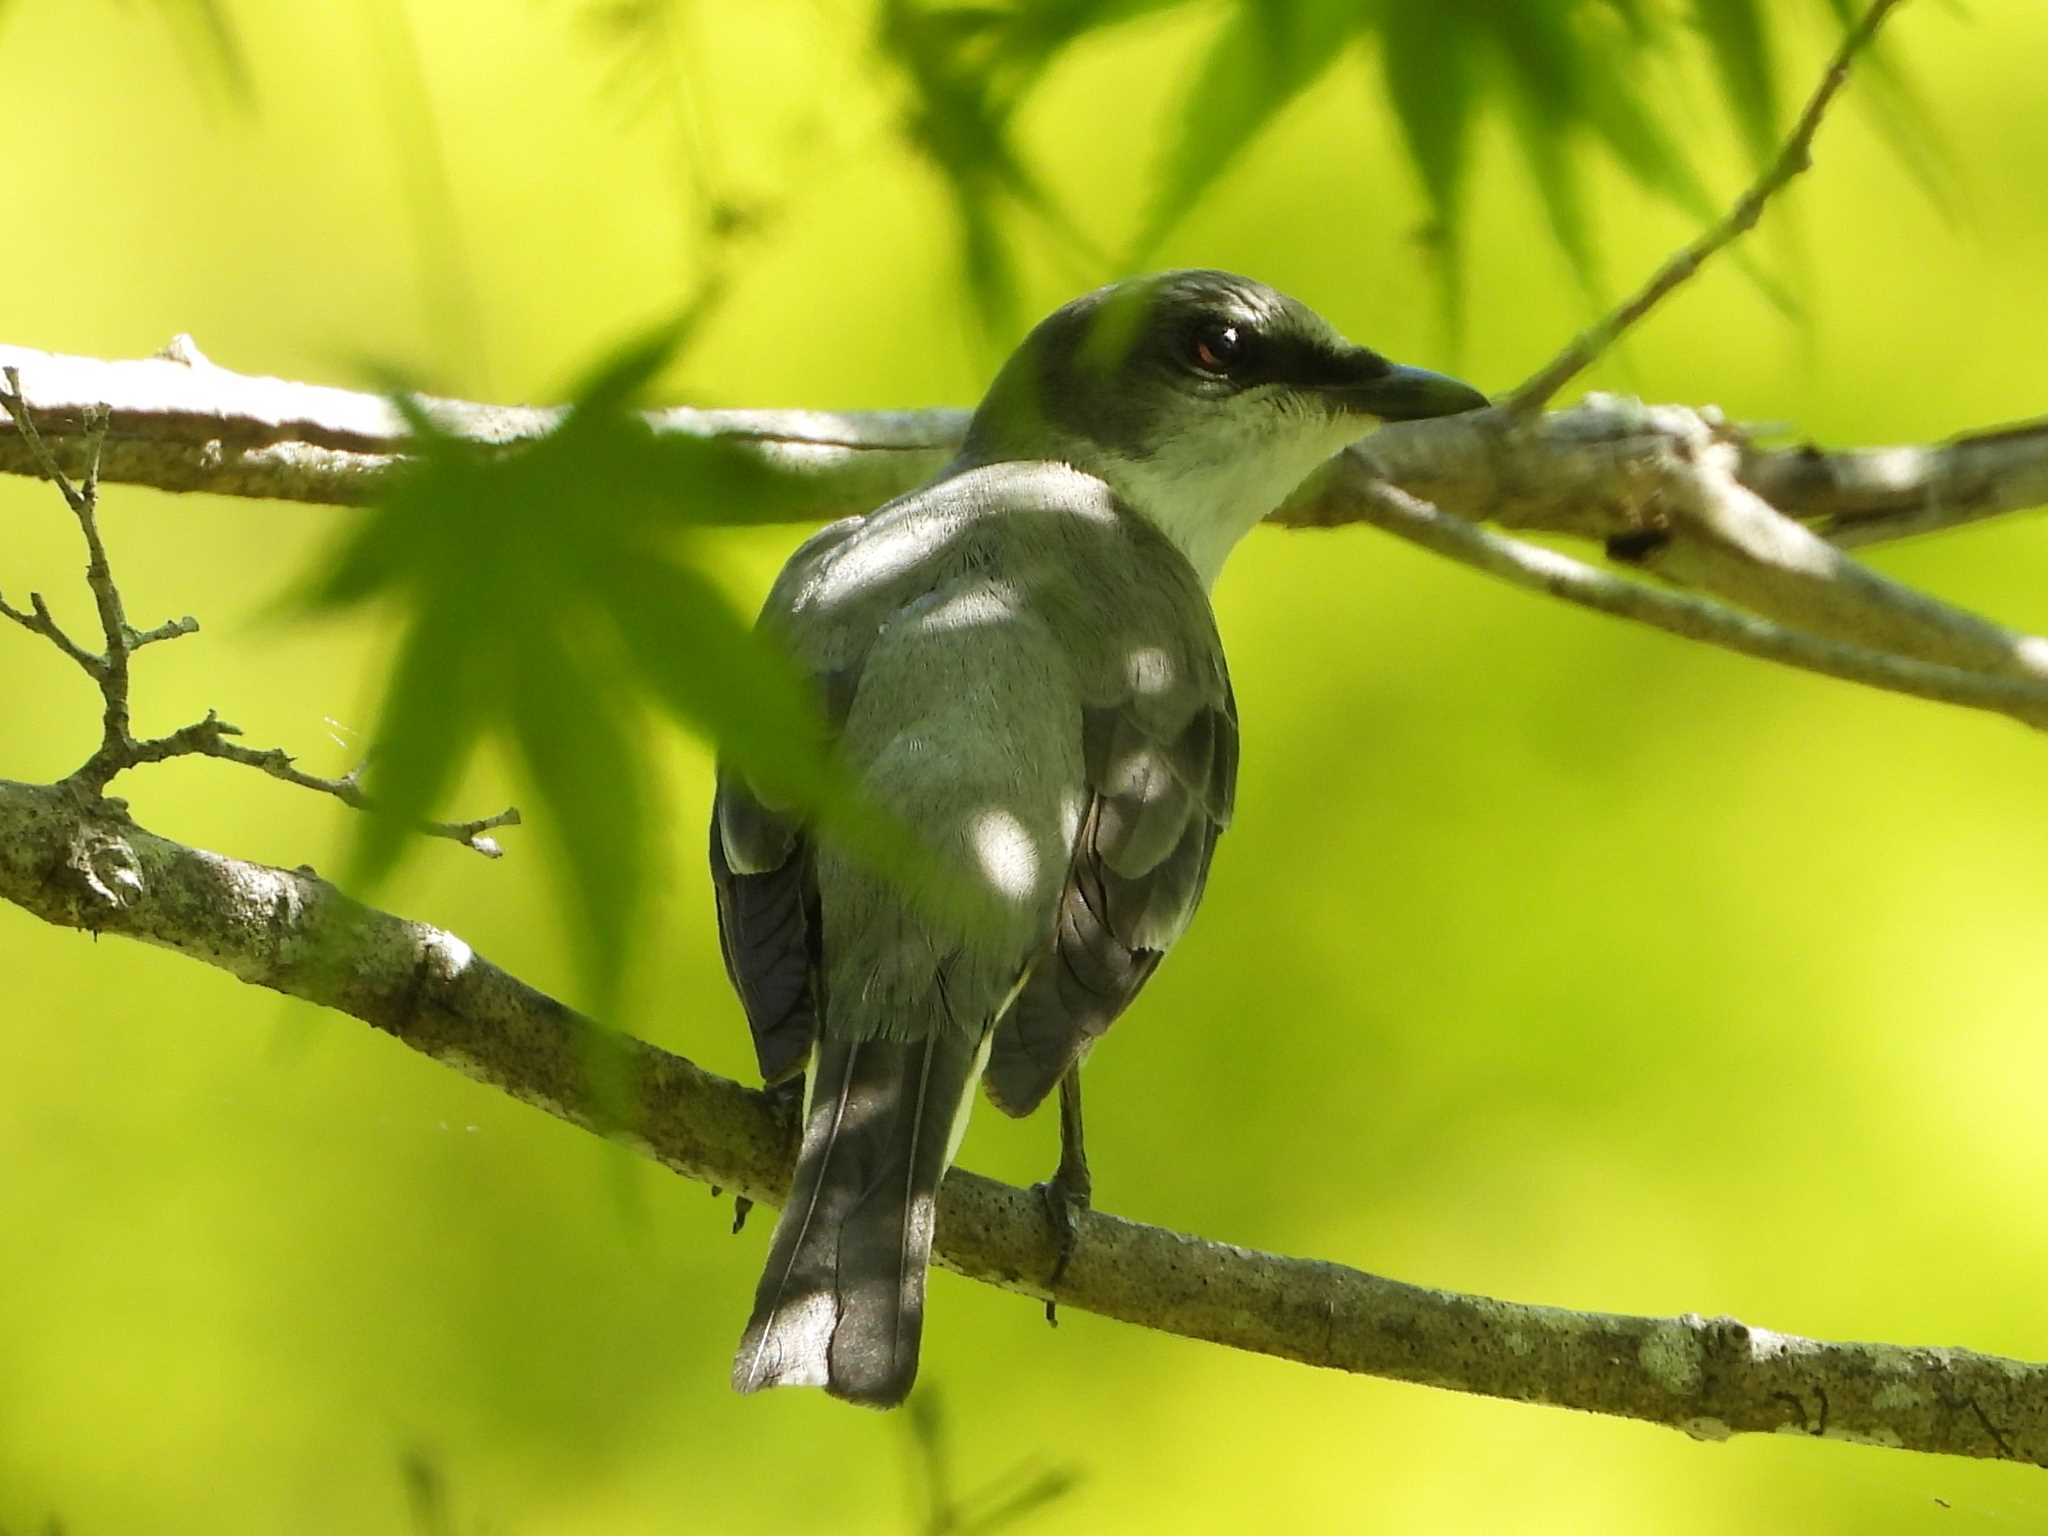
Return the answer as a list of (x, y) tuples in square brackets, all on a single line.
[(119, 749), (110, 669), (1794, 155), (77, 862), (92, 427), (38, 620), (170, 629), (210, 738)]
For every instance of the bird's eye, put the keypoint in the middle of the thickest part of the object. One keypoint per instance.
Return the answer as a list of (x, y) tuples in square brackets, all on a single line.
[(1216, 347)]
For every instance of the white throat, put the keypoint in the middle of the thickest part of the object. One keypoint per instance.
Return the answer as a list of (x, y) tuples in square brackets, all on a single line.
[(1205, 491)]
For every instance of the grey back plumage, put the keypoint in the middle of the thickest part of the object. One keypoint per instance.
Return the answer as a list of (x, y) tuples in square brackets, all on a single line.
[(1028, 675), (1019, 662)]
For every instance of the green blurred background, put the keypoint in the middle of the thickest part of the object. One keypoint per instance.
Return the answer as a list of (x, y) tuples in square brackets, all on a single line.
[(1548, 958)]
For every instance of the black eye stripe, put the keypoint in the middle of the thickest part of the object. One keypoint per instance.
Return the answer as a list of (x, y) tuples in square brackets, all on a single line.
[(1234, 349)]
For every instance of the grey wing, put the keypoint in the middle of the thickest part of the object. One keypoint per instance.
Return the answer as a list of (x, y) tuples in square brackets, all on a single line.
[(764, 877), (767, 897), (1156, 806)]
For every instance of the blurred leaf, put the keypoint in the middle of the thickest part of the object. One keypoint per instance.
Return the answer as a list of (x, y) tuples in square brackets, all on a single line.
[(1891, 101), (998, 1504), (212, 23), (1427, 68), (1568, 72), (1022, 1495), (447, 283), (211, 45), (434, 708), (635, 34), (1740, 47), (549, 597), (958, 120), (1616, 109), (1645, 25), (1268, 53), (1547, 150), (656, 65), (670, 617), (426, 1492), (1033, 35), (584, 749)]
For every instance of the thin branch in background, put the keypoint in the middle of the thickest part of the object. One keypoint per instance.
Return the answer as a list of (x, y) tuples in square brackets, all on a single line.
[(1537, 569), (1794, 155), (119, 749), (446, 274)]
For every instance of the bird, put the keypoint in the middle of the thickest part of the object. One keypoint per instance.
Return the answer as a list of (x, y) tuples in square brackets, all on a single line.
[(1018, 663)]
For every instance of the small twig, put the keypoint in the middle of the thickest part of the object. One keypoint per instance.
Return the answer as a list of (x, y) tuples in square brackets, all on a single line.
[(39, 621), (111, 669), (210, 738), (1794, 155), (170, 629), (119, 750), (39, 452)]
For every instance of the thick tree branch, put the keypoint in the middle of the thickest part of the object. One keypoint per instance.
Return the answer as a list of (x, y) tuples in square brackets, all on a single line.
[(177, 422), (1675, 491), (79, 862)]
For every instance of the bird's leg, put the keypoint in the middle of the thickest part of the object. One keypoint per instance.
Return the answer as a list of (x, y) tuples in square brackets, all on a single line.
[(1068, 1191), (786, 1100)]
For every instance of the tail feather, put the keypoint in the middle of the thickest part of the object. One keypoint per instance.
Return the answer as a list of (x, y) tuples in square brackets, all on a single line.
[(841, 1302)]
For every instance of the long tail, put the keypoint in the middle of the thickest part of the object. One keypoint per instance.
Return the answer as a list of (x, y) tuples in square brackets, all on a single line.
[(841, 1303)]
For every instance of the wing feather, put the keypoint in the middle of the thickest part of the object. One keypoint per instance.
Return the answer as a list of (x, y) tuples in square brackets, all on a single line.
[(1159, 795)]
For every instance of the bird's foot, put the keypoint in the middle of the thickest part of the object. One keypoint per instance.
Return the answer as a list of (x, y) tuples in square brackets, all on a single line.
[(1065, 1196), (785, 1102)]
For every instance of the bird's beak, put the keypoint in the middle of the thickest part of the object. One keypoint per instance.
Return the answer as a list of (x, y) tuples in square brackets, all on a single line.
[(1394, 392)]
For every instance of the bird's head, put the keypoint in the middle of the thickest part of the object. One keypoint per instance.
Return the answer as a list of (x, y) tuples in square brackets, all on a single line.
[(1200, 397)]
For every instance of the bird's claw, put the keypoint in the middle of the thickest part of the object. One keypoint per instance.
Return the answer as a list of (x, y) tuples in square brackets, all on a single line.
[(1065, 1196)]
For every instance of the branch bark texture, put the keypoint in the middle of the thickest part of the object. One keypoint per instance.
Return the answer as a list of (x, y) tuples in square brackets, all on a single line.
[(79, 862), (1673, 491), (177, 422)]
